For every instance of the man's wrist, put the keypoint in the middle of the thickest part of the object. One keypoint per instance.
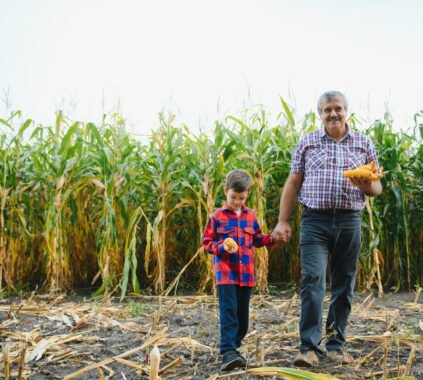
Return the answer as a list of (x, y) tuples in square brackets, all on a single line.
[(283, 220)]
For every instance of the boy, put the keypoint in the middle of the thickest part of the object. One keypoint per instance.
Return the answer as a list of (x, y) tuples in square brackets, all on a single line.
[(234, 263)]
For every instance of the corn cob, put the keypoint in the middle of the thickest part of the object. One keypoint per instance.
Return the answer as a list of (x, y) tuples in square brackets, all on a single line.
[(230, 243), (366, 171)]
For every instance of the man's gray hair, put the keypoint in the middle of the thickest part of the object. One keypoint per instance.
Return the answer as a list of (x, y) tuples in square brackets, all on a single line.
[(329, 95)]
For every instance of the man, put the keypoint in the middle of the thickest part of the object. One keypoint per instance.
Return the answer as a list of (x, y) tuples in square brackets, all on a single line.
[(330, 224)]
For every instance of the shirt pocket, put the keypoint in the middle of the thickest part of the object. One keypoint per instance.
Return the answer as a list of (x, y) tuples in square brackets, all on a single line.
[(225, 232), (249, 233), (316, 159), (356, 157)]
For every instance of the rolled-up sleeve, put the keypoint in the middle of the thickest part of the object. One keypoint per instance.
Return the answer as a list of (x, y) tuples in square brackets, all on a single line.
[(297, 161)]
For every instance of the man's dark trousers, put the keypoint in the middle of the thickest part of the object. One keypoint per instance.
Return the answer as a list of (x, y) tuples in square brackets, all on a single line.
[(234, 309), (335, 238)]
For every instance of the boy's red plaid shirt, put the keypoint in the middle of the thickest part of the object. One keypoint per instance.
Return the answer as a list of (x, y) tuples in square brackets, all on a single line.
[(234, 268)]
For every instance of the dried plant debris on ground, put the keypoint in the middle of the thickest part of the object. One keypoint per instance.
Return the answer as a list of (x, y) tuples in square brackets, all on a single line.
[(73, 337)]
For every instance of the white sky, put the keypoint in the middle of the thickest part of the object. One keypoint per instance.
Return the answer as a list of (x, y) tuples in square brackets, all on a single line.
[(201, 59)]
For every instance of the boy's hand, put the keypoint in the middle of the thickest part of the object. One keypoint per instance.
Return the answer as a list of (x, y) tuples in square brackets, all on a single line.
[(281, 240), (230, 246)]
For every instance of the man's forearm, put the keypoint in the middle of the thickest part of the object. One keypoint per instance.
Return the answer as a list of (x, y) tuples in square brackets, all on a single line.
[(288, 198)]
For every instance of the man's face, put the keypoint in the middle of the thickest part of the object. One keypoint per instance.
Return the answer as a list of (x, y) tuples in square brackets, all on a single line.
[(333, 115), (234, 199)]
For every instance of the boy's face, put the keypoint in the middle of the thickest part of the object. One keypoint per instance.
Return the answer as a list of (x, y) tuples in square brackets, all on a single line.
[(234, 199)]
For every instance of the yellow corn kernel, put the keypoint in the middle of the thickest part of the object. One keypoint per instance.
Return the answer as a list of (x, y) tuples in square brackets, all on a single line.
[(358, 172), (366, 171), (230, 243)]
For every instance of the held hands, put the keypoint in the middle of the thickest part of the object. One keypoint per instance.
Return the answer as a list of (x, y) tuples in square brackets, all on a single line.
[(281, 234)]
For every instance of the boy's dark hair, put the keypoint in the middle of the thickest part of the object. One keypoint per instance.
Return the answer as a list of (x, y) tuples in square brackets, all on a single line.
[(238, 181)]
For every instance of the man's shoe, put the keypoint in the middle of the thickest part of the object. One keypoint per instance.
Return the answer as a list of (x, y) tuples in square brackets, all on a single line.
[(231, 360), (244, 364), (340, 357), (306, 359)]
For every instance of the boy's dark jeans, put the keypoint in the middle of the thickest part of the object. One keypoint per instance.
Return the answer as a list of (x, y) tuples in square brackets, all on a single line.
[(325, 236), (234, 309)]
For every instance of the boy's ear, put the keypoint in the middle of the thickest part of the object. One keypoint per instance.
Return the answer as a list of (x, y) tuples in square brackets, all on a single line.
[(225, 190)]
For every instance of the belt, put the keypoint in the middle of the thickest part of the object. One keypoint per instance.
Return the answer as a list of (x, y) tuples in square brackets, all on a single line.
[(329, 211)]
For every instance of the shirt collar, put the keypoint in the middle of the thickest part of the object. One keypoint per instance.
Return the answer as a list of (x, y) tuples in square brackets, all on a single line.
[(226, 207), (322, 133)]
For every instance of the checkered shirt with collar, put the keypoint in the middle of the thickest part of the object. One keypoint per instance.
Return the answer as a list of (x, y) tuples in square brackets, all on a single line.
[(323, 161), (234, 268)]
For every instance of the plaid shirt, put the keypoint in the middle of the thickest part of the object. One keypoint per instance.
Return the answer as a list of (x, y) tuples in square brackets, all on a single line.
[(234, 268), (323, 161)]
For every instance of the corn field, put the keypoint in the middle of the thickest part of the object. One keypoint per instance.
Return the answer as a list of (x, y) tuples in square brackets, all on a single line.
[(86, 205)]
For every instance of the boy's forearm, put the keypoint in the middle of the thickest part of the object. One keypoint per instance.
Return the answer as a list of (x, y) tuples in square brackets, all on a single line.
[(213, 247), (262, 240)]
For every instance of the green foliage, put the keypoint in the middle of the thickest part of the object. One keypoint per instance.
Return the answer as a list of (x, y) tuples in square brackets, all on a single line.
[(85, 203)]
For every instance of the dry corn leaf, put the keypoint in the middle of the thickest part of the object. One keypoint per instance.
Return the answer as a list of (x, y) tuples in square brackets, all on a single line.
[(37, 352), (79, 325), (66, 320), (289, 373), (189, 341), (154, 363)]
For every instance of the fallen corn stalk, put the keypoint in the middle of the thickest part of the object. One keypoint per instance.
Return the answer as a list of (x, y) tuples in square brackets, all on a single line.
[(160, 335), (289, 373)]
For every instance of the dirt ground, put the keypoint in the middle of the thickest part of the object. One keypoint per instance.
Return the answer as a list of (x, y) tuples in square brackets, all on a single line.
[(62, 335)]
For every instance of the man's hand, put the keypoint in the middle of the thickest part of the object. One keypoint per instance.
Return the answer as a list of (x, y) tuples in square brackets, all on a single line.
[(360, 182), (282, 233), (370, 188)]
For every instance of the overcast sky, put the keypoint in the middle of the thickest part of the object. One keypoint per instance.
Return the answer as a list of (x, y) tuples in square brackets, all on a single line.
[(201, 59)]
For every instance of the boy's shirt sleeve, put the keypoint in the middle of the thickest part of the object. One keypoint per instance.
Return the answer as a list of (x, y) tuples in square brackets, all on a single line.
[(211, 241), (260, 239)]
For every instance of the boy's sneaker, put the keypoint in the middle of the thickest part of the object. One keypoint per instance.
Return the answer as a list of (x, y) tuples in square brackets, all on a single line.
[(231, 360)]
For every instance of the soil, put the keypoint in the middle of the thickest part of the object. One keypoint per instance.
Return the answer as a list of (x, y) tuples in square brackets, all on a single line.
[(65, 334)]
